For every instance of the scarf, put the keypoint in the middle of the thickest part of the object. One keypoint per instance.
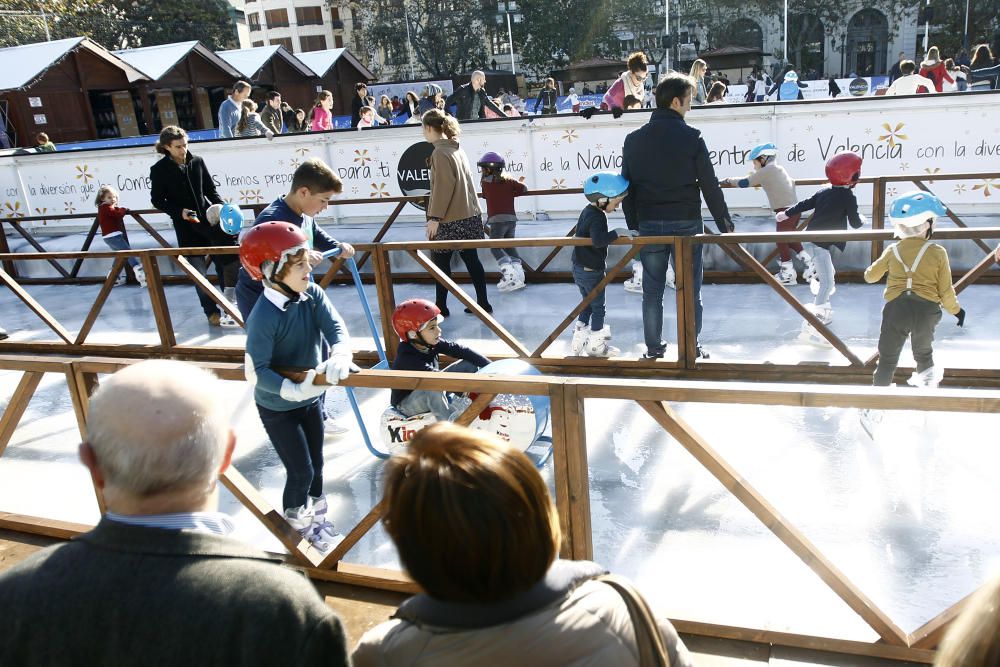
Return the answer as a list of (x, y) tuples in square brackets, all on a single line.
[(638, 92)]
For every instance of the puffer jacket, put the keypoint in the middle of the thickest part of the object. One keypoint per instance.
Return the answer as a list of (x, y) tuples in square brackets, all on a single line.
[(566, 620)]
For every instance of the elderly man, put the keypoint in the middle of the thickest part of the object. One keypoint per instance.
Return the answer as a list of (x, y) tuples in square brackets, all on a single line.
[(230, 109), (156, 583), (666, 163), (471, 99)]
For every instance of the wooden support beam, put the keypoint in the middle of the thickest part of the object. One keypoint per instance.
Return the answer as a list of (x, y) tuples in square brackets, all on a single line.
[(687, 330), (386, 299), (335, 266), (470, 303), (19, 401), (803, 224), (555, 251), (38, 246), (838, 582), (954, 218), (34, 525), (86, 246), (99, 302), (35, 307), (82, 384), (571, 471), (158, 301), (354, 536), (382, 231), (930, 634)]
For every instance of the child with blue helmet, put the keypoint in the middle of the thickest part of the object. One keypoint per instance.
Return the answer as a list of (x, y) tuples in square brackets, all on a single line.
[(779, 188), (605, 192)]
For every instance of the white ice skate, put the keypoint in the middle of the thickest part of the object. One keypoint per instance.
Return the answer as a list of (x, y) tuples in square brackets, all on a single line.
[(226, 320), (823, 311), (301, 519), (810, 335), (120, 279), (597, 344), (634, 284), (671, 284), (513, 277), (321, 527), (809, 270), (870, 419), (814, 287), (580, 333), (929, 378), (140, 275), (786, 274)]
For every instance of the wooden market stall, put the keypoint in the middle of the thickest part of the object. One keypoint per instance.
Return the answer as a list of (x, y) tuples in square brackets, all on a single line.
[(274, 68), (338, 71)]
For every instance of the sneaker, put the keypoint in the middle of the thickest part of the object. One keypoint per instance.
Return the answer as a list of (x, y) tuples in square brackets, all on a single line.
[(226, 320), (633, 286), (214, 320)]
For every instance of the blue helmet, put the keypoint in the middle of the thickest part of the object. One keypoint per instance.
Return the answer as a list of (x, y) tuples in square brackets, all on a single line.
[(604, 184), (231, 219), (914, 208), (769, 150), (791, 76)]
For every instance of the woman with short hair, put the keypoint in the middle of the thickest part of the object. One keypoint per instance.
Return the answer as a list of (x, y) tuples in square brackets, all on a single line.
[(475, 527)]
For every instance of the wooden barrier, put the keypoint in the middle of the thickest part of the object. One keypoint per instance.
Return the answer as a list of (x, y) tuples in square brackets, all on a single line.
[(567, 396)]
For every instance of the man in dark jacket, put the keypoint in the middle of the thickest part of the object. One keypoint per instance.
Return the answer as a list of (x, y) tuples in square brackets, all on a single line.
[(471, 99), (271, 114), (157, 582), (359, 100), (667, 164)]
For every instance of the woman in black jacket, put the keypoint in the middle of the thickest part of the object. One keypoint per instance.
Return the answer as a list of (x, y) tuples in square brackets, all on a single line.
[(547, 98), (409, 110), (181, 187)]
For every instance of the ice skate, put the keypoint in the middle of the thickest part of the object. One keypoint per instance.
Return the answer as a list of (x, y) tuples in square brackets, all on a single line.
[(321, 527), (597, 344), (929, 378), (301, 519), (814, 287), (634, 284), (670, 282), (226, 321), (120, 279), (140, 275), (809, 334), (786, 274), (823, 311), (517, 281), (580, 333), (506, 283), (809, 270), (870, 419)]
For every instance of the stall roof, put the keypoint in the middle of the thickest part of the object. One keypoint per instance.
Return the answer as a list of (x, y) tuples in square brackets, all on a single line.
[(22, 66), (321, 61), (156, 61), (250, 61)]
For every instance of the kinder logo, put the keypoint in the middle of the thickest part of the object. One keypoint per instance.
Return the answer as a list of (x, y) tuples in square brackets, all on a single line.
[(400, 434), (414, 172), (858, 87)]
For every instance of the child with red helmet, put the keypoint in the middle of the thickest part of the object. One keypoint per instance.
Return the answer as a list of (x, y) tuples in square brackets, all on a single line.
[(287, 328), (499, 191), (417, 322), (835, 207)]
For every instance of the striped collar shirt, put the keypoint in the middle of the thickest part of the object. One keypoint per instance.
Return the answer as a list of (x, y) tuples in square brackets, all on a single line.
[(214, 523)]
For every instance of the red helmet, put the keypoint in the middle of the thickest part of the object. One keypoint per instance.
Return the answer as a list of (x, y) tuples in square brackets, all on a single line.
[(844, 168), (270, 242), (412, 316)]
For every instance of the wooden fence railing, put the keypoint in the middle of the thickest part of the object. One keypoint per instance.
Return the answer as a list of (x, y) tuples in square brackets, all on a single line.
[(568, 397)]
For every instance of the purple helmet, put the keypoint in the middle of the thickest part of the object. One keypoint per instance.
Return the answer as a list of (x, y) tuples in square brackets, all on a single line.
[(491, 160)]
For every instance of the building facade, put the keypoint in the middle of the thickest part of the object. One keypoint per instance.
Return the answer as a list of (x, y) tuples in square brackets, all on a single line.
[(298, 25)]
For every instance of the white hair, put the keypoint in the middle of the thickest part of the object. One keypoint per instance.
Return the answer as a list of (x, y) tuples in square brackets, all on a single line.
[(478, 74), (158, 426)]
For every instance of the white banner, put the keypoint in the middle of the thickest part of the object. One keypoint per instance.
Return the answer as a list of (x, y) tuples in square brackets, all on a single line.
[(916, 136)]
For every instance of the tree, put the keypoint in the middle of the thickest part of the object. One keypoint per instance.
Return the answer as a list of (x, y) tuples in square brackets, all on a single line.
[(948, 26), (447, 36), (561, 32), (641, 20)]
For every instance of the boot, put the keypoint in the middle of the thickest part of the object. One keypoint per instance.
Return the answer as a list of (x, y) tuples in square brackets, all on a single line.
[(301, 519), (580, 333), (634, 284), (928, 378), (120, 279), (506, 278), (518, 276), (823, 311), (786, 274), (597, 344), (140, 275), (226, 320), (809, 268), (671, 284), (320, 526)]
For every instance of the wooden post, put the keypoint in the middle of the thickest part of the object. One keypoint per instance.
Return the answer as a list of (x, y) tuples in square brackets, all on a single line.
[(203, 123), (18, 404), (85, 96), (386, 298), (8, 264), (878, 214), (36, 307), (82, 385), (687, 334), (102, 297), (381, 232), (158, 301), (86, 246), (570, 467)]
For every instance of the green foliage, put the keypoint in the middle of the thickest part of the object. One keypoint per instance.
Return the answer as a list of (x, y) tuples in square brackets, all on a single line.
[(948, 26), (560, 32)]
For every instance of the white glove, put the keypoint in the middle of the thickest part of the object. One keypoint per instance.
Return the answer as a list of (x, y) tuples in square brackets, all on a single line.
[(301, 391), (336, 368), (864, 220), (269, 134), (780, 216), (625, 232)]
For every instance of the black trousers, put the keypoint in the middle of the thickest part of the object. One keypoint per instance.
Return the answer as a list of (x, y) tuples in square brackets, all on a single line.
[(906, 316)]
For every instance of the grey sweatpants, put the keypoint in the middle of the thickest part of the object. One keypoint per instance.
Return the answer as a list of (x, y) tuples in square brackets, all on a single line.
[(825, 273), (908, 315), (504, 230)]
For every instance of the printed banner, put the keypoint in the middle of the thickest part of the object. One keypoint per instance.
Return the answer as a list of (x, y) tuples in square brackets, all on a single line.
[(916, 136)]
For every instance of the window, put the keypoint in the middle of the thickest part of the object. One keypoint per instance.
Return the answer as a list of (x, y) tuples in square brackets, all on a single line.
[(312, 42), (626, 45), (309, 15), (334, 13), (395, 53), (338, 42), (282, 41), (499, 43), (276, 18), (253, 20), (256, 44)]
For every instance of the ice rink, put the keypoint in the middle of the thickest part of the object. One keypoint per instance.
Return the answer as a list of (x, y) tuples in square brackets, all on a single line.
[(905, 515)]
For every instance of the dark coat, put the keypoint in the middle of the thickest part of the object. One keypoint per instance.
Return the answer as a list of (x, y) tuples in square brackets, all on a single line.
[(356, 103), (172, 190), (667, 165), (127, 595), (465, 99)]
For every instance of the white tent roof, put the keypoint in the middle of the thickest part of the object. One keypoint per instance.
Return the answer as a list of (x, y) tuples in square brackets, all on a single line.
[(321, 61), (21, 66), (156, 61), (250, 61)]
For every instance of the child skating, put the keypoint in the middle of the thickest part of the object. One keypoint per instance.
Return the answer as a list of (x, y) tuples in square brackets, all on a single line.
[(499, 191), (286, 329), (779, 188), (417, 322), (835, 207), (111, 218), (605, 192)]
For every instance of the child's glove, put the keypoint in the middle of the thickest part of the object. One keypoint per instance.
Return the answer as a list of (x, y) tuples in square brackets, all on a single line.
[(780, 216), (301, 391), (588, 112), (617, 112), (960, 316), (624, 232), (725, 226), (269, 134), (337, 367)]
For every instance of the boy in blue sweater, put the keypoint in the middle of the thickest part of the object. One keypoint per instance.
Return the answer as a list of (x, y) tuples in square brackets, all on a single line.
[(417, 322), (288, 328), (605, 191)]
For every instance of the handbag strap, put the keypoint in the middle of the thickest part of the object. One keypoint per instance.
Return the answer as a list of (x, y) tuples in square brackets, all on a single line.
[(648, 638)]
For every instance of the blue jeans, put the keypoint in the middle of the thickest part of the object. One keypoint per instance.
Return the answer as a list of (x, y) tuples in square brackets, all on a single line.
[(587, 281), (297, 436), (119, 242), (439, 402), (654, 277)]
